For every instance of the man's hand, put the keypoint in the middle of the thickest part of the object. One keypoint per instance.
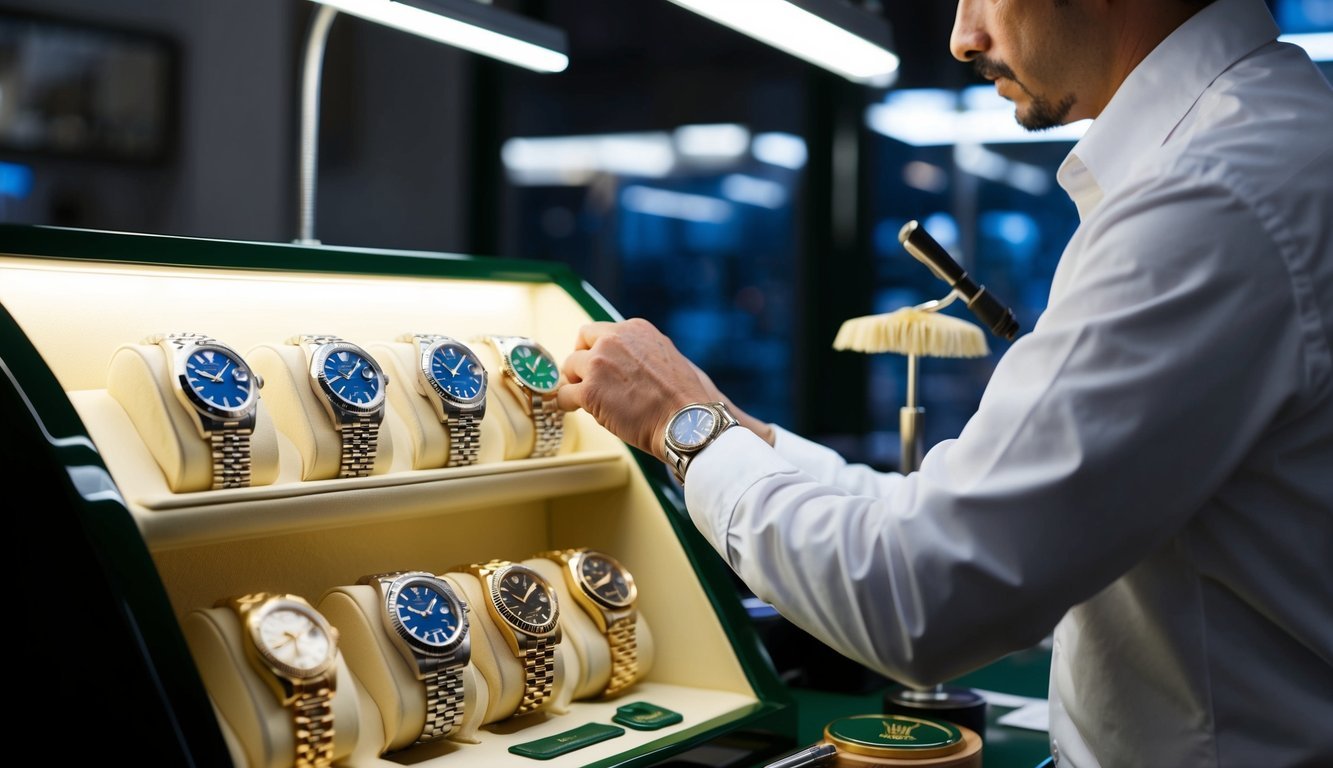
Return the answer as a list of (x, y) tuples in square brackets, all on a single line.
[(631, 378)]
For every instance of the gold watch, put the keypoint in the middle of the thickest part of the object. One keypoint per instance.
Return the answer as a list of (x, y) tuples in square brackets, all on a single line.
[(605, 590), (524, 608), (295, 649)]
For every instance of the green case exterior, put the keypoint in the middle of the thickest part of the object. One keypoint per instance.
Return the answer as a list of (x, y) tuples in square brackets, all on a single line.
[(87, 527)]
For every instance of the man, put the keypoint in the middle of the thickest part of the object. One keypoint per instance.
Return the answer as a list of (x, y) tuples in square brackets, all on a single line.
[(1151, 467)]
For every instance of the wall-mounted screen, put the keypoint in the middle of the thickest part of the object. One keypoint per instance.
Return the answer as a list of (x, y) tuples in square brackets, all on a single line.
[(78, 90)]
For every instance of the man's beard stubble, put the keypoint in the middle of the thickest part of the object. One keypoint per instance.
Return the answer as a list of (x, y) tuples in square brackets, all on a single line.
[(1042, 114)]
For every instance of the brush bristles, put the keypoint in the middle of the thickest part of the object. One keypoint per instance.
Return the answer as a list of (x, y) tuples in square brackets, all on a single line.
[(911, 331)]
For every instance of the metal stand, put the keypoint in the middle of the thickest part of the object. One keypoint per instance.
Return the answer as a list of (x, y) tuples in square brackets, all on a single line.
[(962, 706)]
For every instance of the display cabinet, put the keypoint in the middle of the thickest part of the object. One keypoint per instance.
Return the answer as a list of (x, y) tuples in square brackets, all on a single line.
[(130, 501)]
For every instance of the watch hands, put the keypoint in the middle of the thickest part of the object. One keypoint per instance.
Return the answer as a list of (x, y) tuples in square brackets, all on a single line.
[(528, 594), (454, 371), (353, 371), (422, 614), (430, 608), (602, 581), (225, 366)]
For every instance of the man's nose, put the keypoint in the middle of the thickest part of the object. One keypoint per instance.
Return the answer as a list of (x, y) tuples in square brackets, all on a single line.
[(969, 38)]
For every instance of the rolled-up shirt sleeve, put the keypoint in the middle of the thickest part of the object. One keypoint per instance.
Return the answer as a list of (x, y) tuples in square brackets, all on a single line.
[(1170, 343)]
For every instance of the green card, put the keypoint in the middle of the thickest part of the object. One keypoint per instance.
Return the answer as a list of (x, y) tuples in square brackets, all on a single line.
[(645, 716), (568, 741)]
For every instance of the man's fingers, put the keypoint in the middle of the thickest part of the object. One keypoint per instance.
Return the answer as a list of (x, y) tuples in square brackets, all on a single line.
[(570, 397), (591, 332), (575, 366)]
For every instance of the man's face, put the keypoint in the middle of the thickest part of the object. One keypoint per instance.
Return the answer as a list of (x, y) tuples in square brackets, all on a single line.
[(1039, 53)]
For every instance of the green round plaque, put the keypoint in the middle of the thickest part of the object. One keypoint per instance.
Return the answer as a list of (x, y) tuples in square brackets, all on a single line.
[(894, 736)]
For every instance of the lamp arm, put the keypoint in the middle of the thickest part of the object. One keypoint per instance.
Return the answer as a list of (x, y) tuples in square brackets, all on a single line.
[(310, 85)]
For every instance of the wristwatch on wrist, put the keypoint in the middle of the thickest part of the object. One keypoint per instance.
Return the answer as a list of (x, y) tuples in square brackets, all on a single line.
[(606, 592), (692, 429), (524, 608), (295, 649), (451, 377), (428, 623), (532, 373), (221, 393), (351, 386)]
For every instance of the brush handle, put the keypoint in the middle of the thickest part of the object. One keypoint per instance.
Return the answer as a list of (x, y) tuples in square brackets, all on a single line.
[(997, 317)]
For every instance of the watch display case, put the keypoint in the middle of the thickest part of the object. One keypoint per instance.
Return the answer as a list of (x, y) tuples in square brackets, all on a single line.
[(93, 405)]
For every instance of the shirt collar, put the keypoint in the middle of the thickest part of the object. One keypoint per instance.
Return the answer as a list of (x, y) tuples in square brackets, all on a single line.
[(1160, 92)]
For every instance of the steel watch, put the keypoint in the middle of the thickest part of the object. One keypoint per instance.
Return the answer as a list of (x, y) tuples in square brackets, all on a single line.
[(451, 377), (531, 372), (351, 386), (221, 394), (692, 429), (428, 623)]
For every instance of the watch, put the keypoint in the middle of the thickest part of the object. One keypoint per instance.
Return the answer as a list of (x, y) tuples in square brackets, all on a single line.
[(451, 377), (294, 649), (351, 386), (221, 393), (532, 373), (428, 623), (524, 608), (606, 592), (692, 429)]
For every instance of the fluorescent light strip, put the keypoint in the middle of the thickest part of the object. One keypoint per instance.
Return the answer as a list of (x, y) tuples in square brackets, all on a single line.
[(927, 118), (1318, 44), (453, 32), (802, 34)]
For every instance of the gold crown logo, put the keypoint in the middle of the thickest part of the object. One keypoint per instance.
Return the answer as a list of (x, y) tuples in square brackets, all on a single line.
[(899, 731)]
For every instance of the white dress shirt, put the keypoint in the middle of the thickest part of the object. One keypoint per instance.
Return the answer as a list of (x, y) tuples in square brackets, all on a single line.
[(1151, 467)]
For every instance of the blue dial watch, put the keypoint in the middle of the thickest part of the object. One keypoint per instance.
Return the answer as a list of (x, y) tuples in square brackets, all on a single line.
[(428, 623), (454, 380), (351, 385), (221, 394)]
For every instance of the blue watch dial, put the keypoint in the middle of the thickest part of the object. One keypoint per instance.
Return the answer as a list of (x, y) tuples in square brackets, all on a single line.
[(692, 427), (353, 377), (219, 378), (457, 371), (428, 615)]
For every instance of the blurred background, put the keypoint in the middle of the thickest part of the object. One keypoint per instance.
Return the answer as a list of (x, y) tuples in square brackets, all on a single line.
[(741, 199)]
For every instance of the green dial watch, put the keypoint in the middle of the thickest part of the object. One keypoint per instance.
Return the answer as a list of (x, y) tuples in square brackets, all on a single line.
[(221, 394), (533, 375)]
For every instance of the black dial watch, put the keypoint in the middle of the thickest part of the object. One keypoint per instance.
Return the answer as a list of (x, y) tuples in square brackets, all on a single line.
[(524, 608)]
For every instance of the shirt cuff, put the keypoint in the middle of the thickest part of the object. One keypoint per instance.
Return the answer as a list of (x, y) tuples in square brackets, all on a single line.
[(804, 453), (720, 475)]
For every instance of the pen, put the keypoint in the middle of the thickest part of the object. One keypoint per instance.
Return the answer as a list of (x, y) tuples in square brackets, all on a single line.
[(816, 755)]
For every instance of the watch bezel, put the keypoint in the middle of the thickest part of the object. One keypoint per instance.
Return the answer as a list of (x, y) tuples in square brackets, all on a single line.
[(403, 581), (196, 401), (576, 567), (675, 444), (506, 613), (318, 376), (507, 359), (427, 352), (255, 617)]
